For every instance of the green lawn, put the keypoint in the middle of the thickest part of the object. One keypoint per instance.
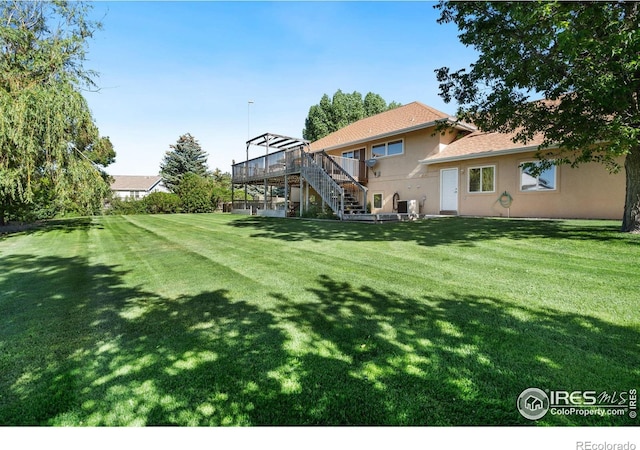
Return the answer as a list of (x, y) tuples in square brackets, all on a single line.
[(232, 320)]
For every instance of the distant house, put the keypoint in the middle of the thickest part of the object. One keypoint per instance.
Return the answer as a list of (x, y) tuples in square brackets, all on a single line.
[(396, 162), (135, 186)]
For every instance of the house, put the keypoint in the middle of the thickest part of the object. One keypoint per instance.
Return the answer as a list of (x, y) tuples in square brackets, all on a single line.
[(485, 174), (534, 403), (135, 186), (398, 162)]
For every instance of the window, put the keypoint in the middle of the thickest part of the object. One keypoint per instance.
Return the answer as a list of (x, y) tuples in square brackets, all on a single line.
[(377, 201), (388, 148), (544, 181), (378, 150), (394, 148), (355, 154), (482, 179)]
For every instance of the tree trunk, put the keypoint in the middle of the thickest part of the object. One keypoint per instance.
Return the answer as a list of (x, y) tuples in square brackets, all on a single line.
[(631, 219), (2, 213)]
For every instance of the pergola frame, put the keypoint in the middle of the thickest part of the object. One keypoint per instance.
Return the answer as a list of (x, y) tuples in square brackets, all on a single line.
[(273, 143), (276, 141)]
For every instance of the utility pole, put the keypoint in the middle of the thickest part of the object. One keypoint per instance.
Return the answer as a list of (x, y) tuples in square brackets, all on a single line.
[(249, 103)]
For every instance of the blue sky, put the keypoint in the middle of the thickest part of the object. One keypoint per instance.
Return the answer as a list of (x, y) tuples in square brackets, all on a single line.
[(170, 68)]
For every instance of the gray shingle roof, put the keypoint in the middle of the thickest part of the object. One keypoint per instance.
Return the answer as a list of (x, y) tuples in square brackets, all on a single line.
[(134, 182)]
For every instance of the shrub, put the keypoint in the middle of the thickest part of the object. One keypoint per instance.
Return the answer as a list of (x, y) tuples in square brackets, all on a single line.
[(125, 206), (161, 203), (195, 193), (316, 211)]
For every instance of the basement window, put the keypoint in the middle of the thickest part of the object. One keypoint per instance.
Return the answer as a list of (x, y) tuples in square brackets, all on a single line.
[(377, 201)]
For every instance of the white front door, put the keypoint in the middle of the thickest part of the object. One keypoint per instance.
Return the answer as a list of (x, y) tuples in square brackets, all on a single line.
[(449, 190)]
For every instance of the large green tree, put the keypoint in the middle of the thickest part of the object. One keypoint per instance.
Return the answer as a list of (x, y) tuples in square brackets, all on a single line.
[(51, 154), (186, 156), (342, 109), (582, 58)]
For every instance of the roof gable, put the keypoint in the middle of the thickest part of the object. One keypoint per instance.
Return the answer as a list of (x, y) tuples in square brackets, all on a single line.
[(414, 115), (134, 182)]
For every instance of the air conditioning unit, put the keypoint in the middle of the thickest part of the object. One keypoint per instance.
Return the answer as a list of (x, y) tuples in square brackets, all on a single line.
[(413, 207)]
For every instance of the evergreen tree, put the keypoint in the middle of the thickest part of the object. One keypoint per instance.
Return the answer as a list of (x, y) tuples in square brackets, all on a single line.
[(186, 156)]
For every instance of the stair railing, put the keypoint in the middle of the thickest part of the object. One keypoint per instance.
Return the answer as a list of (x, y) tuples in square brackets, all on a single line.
[(328, 189), (342, 177)]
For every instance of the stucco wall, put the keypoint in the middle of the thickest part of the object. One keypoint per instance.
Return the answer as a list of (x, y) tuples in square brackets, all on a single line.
[(402, 174), (588, 191)]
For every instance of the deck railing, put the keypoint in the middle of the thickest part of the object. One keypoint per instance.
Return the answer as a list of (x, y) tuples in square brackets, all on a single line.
[(330, 176), (271, 165), (354, 167)]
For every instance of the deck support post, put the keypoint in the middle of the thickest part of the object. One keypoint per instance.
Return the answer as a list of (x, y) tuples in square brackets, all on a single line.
[(303, 181), (246, 176), (286, 194), (266, 169)]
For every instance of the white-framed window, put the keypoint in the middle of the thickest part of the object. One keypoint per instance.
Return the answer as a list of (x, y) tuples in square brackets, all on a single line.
[(482, 179), (530, 182), (377, 200), (390, 148)]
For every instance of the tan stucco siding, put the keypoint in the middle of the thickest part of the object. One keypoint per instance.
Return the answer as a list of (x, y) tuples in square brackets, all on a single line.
[(402, 174), (588, 191)]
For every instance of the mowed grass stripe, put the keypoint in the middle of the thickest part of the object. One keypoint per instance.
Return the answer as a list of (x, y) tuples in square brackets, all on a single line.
[(44, 321), (538, 275), (272, 263), (528, 269), (243, 259), (314, 322), (175, 268), (344, 260), (537, 271)]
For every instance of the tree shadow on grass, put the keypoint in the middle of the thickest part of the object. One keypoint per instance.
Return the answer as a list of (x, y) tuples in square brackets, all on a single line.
[(46, 308), (463, 231), (45, 226), (78, 346), (451, 360)]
